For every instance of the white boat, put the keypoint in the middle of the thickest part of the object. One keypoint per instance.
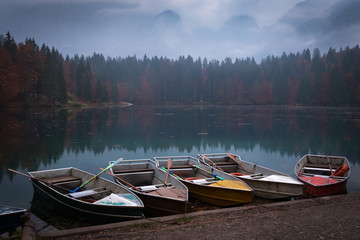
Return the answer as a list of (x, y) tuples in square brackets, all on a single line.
[(265, 182)]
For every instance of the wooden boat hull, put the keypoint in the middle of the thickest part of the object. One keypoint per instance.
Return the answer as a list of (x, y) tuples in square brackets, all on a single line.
[(213, 195), (309, 165), (325, 190), (266, 183), (89, 211), (155, 205), (10, 218)]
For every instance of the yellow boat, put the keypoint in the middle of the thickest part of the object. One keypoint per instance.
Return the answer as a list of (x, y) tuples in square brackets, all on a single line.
[(206, 184)]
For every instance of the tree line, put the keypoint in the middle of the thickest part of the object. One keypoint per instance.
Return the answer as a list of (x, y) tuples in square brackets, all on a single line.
[(34, 75)]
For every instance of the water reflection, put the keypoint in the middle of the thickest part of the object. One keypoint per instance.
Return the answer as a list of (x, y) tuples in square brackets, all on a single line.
[(270, 135), (28, 139)]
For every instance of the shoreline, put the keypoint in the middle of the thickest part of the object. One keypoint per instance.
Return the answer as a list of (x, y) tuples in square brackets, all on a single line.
[(288, 216)]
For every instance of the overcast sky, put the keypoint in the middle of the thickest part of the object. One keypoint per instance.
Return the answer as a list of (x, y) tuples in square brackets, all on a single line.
[(214, 29)]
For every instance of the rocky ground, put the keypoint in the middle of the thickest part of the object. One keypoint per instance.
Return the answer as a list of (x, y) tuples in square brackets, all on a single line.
[(335, 217)]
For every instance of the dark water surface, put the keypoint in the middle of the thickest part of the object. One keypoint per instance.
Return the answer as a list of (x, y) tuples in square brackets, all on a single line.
[(276, 137)]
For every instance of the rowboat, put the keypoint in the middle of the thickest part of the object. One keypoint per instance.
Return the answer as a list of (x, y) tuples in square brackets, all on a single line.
[(100, 200), (323, 175), (10, 218), (206, 184), (161, 194), (265, 182)]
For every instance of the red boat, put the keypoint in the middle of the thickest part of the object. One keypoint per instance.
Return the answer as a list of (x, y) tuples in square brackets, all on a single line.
[(323, 175)]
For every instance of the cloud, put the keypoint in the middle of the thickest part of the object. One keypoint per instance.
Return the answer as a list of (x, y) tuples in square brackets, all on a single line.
[(201, 28)]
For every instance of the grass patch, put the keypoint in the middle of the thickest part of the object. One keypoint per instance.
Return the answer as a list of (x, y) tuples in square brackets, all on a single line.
[(140, 225), (183, 220)]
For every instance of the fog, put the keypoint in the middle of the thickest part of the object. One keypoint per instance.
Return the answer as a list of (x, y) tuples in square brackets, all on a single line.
[(214, 29)]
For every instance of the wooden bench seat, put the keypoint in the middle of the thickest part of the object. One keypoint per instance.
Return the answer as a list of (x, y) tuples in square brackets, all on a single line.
[(90, 193), (180, 166), (224, 163), (311, 165), (133, 170), (61, 179), (317, 169), (325, 176)]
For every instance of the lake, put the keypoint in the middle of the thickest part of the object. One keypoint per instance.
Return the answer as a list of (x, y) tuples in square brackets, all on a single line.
[(275, 137)]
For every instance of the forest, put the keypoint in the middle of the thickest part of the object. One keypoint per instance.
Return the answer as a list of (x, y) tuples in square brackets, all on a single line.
[(33, 75)]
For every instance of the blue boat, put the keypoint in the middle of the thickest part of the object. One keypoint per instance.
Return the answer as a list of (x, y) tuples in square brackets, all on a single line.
[(10, 218)]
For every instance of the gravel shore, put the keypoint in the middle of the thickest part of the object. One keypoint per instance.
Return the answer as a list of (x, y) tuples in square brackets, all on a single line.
[(332, 217)]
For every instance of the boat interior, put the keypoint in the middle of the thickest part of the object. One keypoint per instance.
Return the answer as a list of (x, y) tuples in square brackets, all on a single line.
[(320, 170), (138, 177), (242, 169), (184, 168), (312, 167), (140, 174), (144, 175), (65, 184)]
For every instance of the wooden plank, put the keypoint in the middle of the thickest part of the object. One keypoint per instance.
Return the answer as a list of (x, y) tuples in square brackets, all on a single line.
[(133, 170), (181, 166), (225, 163), (60, 179), (166, 192), (325, 176), (312, 165), (89, 193), (318, 169)]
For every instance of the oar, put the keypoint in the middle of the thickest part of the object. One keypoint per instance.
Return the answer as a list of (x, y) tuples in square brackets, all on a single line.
[(331, 172), (212, 174), (169, 163), (239, 163), (82, 185), (216, 166), (122, 180), (38, 179), (172, 173)]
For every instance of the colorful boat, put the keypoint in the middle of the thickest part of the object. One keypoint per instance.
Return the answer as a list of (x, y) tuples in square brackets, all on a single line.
[(265, 182), (100, 200), (161, 194), (323, 175), (10, 218), (206, 184)]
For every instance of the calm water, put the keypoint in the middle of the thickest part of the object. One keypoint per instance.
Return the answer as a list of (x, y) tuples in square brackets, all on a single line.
[(88, 139)]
